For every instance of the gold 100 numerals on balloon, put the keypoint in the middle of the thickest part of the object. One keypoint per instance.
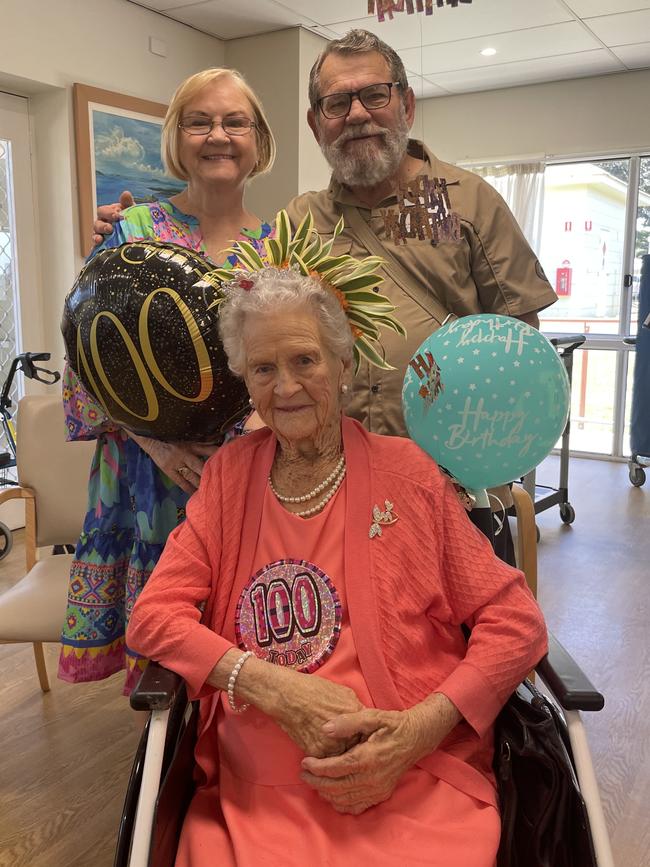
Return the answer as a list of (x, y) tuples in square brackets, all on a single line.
[(141, 333)]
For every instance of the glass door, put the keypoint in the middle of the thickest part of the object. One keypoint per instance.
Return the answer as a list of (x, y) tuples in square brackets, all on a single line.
[(588, 250)]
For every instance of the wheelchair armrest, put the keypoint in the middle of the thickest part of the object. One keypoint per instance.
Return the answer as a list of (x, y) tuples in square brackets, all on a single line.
[(566, 680), (156, 689)]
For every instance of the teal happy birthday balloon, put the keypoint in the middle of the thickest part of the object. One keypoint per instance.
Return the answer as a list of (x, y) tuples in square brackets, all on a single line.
[(487, 397)]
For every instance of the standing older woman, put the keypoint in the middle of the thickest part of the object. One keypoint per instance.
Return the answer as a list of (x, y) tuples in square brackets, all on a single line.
[(216, 138), (335, 569)]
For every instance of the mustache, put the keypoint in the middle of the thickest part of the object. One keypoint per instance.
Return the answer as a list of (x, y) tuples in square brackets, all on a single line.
[(361, 131)]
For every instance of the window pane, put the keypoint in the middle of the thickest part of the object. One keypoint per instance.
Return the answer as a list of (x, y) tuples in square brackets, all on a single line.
[(582, 244), (592, 401), (642, 241), (7, 289)]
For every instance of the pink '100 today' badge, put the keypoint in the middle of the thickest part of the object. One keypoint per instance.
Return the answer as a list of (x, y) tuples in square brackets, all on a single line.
[(289, 614)]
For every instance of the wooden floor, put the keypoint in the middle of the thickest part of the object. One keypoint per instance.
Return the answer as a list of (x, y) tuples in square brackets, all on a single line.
[(66, 755), (65, 759), (594, 588)]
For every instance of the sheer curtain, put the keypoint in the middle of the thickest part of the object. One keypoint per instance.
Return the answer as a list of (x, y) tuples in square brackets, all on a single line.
[(522, 186)]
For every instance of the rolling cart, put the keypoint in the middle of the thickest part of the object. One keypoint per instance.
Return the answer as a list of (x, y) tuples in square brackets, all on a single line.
[(640, 421), (544, 496)]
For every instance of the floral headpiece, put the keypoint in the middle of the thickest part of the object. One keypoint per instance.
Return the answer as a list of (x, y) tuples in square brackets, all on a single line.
[(353, 281)]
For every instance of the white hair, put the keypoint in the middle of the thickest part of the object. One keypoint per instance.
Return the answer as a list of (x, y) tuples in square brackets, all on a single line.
[(277, 289)]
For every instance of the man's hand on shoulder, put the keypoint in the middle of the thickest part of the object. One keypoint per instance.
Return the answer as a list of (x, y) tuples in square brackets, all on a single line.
[(108, 215)]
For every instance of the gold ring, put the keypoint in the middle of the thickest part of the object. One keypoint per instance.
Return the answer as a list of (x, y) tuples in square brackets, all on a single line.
[(183, 471)]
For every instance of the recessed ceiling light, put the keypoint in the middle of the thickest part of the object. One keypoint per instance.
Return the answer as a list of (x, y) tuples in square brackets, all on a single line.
[(488, 52)]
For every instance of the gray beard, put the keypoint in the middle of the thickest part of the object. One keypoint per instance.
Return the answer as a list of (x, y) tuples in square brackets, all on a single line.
[(373, 161)]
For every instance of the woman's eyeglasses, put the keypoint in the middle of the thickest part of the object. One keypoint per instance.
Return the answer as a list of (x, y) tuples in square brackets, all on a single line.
[(371, 97), (204, 125)]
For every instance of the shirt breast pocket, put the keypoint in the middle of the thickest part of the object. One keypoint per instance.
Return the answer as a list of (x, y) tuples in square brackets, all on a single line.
[(340, 247)]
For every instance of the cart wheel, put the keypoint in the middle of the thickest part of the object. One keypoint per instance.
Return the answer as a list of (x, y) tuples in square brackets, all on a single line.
[(637, 476), (567, 513), (6, 540)]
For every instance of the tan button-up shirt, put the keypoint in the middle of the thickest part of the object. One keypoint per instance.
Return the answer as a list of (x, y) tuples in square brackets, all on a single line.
[(491, 269)]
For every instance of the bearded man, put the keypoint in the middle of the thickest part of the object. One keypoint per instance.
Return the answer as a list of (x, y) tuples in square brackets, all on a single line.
[(450, 242)]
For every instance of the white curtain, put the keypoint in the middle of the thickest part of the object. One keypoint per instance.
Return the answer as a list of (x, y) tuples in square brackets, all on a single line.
[(522, 186)]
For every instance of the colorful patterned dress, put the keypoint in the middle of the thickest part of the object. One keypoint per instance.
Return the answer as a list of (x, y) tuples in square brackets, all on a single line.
[(132, 504)]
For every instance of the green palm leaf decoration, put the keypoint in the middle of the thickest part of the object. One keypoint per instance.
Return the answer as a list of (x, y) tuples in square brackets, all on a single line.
[(353, 281)]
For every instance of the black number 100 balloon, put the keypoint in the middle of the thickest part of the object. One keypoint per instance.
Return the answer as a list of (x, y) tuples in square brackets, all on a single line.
[(140, 329)]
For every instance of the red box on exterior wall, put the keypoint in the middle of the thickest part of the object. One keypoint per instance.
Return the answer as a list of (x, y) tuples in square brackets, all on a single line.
[(563, 279)]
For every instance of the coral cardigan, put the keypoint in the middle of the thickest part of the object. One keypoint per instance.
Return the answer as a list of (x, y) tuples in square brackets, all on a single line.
[(409, 590)]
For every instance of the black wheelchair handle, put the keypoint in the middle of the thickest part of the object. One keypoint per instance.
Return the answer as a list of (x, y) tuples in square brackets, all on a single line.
[(25, 363), (41, 374)]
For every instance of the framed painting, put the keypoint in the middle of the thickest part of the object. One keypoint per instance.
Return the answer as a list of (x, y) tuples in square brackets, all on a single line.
[(118, 148)]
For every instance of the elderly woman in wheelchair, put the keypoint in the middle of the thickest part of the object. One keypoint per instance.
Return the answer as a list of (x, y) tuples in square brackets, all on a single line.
[(314, 601)]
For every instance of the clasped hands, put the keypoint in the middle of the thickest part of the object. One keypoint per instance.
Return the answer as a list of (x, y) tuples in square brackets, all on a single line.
[(384, 746), (355, 756)]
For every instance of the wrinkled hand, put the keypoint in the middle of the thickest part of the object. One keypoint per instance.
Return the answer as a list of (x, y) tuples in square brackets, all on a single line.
[(391, 743), (307, 703), (170, 457), (108, 215)]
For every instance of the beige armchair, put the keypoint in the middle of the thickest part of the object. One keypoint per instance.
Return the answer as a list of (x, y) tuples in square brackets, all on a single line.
[(53, 482)]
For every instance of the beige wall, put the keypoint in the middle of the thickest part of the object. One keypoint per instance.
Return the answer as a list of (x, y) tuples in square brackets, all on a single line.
[(44, 48), (314, 173), (104, 43), (270, 65), (277, 65), (600, 115)]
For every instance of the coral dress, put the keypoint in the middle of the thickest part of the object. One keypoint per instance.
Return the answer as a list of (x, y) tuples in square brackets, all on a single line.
[(252, 808)]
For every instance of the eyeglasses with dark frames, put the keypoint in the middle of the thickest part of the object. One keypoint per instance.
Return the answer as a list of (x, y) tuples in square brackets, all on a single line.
[(199, 125), (371, 97)]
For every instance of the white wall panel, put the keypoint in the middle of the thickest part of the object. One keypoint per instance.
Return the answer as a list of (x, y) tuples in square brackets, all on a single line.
[(599, 115)]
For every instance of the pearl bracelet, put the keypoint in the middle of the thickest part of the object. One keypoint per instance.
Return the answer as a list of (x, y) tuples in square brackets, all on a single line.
[(231, 683)]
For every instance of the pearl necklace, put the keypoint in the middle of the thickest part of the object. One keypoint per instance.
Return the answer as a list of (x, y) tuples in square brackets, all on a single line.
[(328, 496), (316, 491)]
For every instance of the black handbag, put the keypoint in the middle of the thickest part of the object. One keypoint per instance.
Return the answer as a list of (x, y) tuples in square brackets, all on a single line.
[(543, 815)]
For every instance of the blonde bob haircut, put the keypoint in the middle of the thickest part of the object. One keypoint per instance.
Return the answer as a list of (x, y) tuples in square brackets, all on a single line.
[(185, 93)]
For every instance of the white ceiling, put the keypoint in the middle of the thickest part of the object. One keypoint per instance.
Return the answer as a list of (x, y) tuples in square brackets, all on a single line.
[(535, 40)]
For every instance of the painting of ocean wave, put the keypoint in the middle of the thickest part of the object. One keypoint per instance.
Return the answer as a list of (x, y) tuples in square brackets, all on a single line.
[(126, 156)]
